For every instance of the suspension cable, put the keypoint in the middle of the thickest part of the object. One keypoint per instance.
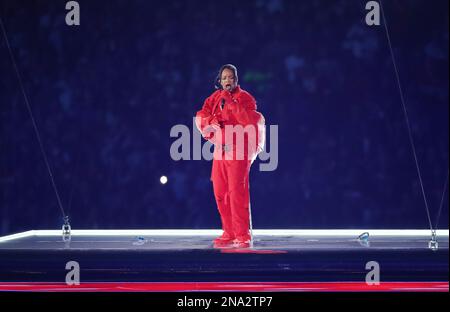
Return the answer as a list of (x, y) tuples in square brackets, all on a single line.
[(411, 140), (442, 201), (30, 112)]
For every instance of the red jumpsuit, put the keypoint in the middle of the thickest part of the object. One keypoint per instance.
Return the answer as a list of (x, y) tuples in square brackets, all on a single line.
[(232, 159)]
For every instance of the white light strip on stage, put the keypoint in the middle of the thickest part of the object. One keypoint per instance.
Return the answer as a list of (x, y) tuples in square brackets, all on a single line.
[(17, 236), (197, 232)]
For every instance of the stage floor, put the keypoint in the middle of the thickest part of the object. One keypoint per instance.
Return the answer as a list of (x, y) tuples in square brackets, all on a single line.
[(182, 260), (287, 240)]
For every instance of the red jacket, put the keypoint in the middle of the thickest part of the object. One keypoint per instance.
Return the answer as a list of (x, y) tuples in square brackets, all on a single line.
[(239, 109)]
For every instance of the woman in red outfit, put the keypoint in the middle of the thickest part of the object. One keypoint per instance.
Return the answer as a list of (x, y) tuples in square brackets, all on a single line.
[(230, 121)]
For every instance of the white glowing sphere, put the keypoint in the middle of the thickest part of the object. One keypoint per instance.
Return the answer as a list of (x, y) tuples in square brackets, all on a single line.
[(163, 180)]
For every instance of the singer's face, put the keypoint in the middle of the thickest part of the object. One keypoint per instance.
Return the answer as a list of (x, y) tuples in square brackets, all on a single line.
[(228, 80)]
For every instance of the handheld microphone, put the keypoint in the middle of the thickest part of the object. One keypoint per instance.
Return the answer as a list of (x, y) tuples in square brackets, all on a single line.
[(222, 104)]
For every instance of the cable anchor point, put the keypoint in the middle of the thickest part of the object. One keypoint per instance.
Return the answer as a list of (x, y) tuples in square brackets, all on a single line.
[(433, 243), (66, 229)]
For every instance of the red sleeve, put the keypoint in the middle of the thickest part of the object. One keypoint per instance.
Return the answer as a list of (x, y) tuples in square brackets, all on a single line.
[(247, 114), (204, 117)]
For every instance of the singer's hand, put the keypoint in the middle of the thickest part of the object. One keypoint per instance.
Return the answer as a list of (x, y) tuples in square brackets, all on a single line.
[(217, 118), (211, 128)]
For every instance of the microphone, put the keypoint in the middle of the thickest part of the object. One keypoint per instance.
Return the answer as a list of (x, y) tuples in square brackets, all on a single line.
[(222, 104)]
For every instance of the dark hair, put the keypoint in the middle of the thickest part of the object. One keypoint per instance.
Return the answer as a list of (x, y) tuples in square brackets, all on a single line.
[(219, 75)]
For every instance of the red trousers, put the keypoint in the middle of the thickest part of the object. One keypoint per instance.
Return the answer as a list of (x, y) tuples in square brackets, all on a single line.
[(231, 189)]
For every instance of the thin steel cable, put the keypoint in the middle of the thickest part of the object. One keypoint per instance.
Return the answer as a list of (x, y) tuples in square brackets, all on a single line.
[(30, 112), (442, 201), (411, 140)]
